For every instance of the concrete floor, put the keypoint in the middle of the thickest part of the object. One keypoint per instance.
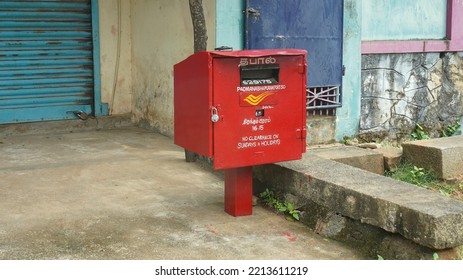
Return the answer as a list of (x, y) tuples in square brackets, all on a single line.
[(129, 194)]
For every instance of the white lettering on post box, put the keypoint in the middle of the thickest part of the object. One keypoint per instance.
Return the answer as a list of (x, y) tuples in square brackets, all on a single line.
[(260, 88), (255, 121), (254, 141), (257, 60), (257, 82)]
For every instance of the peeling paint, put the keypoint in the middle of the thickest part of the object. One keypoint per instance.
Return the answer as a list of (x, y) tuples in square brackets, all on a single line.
[(402, 90)]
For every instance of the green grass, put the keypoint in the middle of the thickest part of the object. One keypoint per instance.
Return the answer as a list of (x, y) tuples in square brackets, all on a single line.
[(270, 199), (409, 173)]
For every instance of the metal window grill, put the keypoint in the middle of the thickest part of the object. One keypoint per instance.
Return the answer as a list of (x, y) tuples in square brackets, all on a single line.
[(323, 101)]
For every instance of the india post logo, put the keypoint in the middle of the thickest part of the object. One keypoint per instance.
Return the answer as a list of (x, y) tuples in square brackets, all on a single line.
[(263, 98)]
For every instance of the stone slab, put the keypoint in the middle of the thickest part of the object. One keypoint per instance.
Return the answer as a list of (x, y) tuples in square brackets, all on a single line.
[(366, 159), (417, 214), (392, 157), (72, 125), (444, 156)]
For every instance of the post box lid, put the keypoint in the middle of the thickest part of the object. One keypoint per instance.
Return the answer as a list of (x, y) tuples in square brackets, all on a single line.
[(258, 53)]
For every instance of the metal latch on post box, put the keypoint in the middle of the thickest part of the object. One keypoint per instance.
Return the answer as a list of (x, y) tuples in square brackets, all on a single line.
[(214, 115)]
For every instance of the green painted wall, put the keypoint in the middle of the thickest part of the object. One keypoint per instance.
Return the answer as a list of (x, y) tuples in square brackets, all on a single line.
[(230, 23), (349, 114), (403, 19)]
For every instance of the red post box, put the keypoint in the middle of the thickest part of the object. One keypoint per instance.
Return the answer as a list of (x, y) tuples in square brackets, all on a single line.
[(241, 108)]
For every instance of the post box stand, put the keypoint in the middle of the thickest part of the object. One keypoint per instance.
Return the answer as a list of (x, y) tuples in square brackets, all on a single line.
[(238, 191)]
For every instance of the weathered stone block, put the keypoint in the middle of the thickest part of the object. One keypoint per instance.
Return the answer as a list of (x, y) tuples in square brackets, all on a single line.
[(366, 159), (392, 157), (444, 156), (321, 130), (420, 215)]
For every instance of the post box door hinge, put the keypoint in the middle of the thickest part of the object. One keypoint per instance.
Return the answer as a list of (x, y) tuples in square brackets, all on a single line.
[(301, 133), (302, 68)]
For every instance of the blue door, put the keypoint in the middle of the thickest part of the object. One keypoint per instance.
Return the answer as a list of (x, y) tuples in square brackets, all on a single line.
[(313, 25), (47, 69)]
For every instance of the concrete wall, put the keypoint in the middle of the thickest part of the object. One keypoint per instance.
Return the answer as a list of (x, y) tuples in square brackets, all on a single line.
[(115, 55), (162, 35), (402, 90), (399, 91)]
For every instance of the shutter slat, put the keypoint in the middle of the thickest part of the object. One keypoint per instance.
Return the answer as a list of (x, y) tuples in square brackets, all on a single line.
[(47, 44), (44, 72), (38, 92), (46, 101), (46, 81), (40, 54), (37, 24), (32, 63), (45, 5), (35, 35)]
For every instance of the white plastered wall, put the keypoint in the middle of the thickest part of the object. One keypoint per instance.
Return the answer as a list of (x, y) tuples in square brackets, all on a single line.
[(162, 35), (116, 55)]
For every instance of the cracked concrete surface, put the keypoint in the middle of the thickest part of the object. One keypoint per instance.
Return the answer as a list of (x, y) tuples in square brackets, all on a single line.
[(129, 194)]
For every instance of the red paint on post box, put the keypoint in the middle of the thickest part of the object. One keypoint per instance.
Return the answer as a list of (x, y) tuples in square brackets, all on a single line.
[(238, 191), (242, 108)]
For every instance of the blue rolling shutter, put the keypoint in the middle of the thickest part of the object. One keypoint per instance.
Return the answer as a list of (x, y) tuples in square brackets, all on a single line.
[(46, 60)]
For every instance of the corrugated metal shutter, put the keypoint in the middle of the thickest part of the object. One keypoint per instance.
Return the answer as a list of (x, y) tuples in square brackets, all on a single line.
[(46, 60)]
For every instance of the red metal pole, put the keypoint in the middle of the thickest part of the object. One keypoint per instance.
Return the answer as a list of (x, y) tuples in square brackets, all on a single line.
[(238, 191)]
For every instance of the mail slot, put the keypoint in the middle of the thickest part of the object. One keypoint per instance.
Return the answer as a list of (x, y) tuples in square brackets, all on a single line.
[(267, 74), (241, 108)]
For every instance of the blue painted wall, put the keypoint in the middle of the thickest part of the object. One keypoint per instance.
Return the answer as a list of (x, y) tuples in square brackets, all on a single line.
[(230, 23), (403, 19), (230, 32)]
